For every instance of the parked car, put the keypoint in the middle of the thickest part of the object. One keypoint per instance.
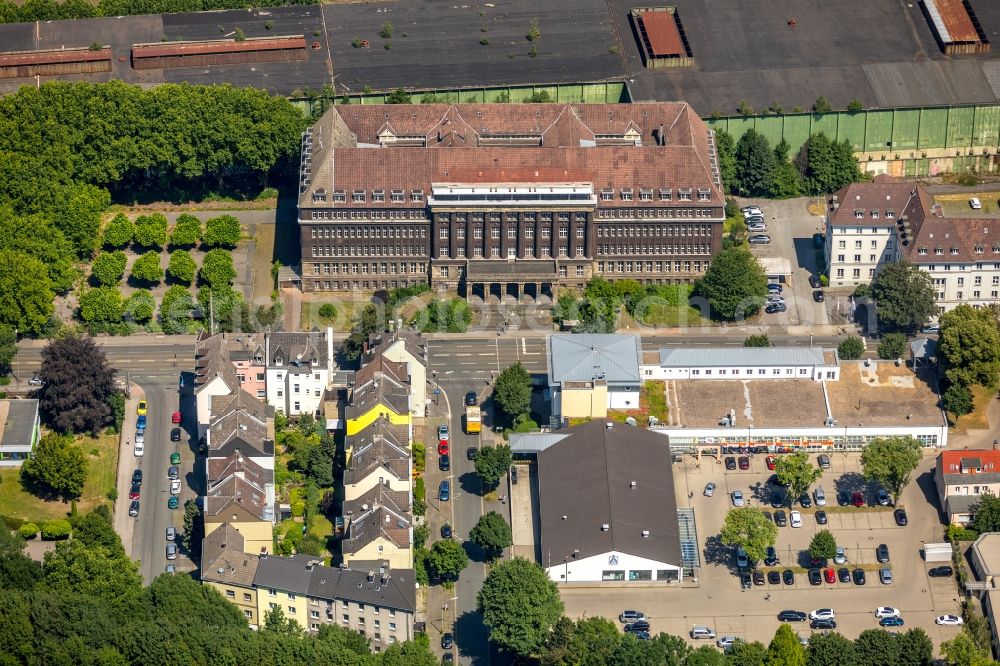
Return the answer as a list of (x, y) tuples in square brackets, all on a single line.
[(775, 287), (175, 458), (141, 408), (133, 508), (737, 498), (975, 203), (175, 417), (133, 493), (759, 239), (886, 611), (796, 519), (805, 500), (941, 572), (642, 635), (773, 308), (777, 499), (730, 463), (744, 462), (823, 624), (140, 423), (840, 556), (443, 432), (775, 298), (36, 381), (843, 499), (444, 490), (173, 502), (788, 577), (443, 448), (949, 620), (770, 556), (140, 436), (175, 434), (709, 489), (891, 622), (702, 633), (821, 517), (745, 581), (170, 568), (830, 575), (751, 210), (859, 576), (857, 499), (171, 533), (627, 616), (758, 577), (769, 462), (444, 463), (137, 477), (779, 518), (726, 642), (818, 296), (792, 616), (815, 577), (819, 495), (885, 576), (171, 551), (471, 399), (471, 453), (513, 475), (900, 516), (757, 227), (175, 487), (774, 577), (742, 561), (447, 641), (822, 614), (139, 449), (815, 282), (844, 574), (823, 461), (173, 472), (883, 497), (446, 531), (638, 625), (882, 553)]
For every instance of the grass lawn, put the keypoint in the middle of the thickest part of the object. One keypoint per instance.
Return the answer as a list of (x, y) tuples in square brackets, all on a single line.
[(321, 527), (102, 453), (343, 320), (976, 419), (957, 205)]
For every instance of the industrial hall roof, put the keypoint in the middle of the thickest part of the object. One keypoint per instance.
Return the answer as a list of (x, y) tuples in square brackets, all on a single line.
[(607, 490), (584, 357), (610, 146)]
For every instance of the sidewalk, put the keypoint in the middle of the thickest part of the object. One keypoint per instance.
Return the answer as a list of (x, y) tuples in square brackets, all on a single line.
[(123, 523)]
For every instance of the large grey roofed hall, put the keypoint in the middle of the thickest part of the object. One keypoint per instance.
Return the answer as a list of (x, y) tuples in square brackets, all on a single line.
[(577, 357)]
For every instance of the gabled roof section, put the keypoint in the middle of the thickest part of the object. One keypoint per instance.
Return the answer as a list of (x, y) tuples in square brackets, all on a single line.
[(288, 574), (223, 559), (377, 387), (379, 513), (297, 349), (414, 345), (239, 491), (381, 446), (241, 430), (220, 469), (240, 401), (211, 361), (585, 357), (386, 588)]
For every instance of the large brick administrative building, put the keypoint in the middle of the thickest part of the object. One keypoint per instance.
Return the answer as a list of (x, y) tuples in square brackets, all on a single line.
[(507, 199)]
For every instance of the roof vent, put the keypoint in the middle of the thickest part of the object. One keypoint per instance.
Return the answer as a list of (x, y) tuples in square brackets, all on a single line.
[(645, 534), (610, 425), (564, 517), (633, 484), (605, 527), (221, 570)]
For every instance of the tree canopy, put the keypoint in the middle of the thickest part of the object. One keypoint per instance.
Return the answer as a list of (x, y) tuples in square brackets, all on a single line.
[(119, 232), (512, 391), (78, 383), (492, 534), (222, 231), (181, 267), (446, 560), (823, 546), (890, 461), (26, 292), (217, 270), (520, 605), (58, 467), (151, 230), (186, 232), (755, 164), (750, 528), (851, 348), (904, 297), (785, 649), (827, 165), (735, 284), (797, 472), (986, 513), (969, 346), (109, 267), (492, 462)]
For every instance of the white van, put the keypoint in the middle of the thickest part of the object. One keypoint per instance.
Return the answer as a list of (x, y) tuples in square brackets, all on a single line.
[(702, 633)]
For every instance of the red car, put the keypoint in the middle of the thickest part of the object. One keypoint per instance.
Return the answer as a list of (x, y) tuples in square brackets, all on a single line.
[(769, 461), (857, 499), (176, 418), (744, 462), (443, 448), (830, 576)]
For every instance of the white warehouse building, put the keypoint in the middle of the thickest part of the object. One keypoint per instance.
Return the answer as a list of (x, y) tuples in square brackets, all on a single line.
[(722, 363)]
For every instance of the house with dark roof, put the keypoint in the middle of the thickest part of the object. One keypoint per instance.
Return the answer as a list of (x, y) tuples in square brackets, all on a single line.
[(962, 477), (590, 373), (381, 391), (405, 347), (230, 570), (20, 428), (283, 582), (378, 526), (299, 369), (379, 455), (245, 499), (607, 511), (215, 375)]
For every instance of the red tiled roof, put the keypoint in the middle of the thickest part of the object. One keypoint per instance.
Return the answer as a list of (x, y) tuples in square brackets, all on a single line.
[(661, 28), (157, 50), (985, 456), (14, 59)]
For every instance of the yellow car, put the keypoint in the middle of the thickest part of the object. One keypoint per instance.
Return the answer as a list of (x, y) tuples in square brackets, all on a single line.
[(141, 409)]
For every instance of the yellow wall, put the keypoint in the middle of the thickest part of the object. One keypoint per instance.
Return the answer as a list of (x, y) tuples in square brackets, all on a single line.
[(237, 600), (359, 423), (284, 600), (256, 534), (418, 375), (399, 558), (584, 403)]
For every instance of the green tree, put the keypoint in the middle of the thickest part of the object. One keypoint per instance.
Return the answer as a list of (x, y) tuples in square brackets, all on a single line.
[(222, 231), (821, 105), (969, 346), (101, 305), (119, 232), (827, 165), (147, 268), (705, 655), (786, 181), (851, 348), (915, 648), (398, 96), (139, 306), (963, 651), (370, 320), (275, 622), (17, 571), (492, 463), (109, 267), (823, 546), (78, 384), (855, 105), (785, 649), (217, 270), (38, 237), (8, 349), (519, 605), (797, 472), (151, 230), (725, 147), (831, 649), (512, 391), (446, 560), (876, 646), (57, 467), (182, 267), (187, 231), (747, 654), (904, 296), (759, 340), (190, 534), (56, 529), (890, 461), (986, 514), (735, 284), (79, 217), (892, 346), (957, 400), (750, 528), (26, 295), (492, 534), (175, 310), (755, 165)]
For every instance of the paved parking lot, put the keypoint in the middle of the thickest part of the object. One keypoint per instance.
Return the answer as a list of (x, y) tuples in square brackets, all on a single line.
[(718, 601)]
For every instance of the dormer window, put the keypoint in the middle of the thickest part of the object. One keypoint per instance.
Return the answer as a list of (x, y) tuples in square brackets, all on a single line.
[(859, 213), (703, 194), (278, 360), (626, 195), (666, 194), (607, 194), (979, 249), (645, 195), (938, 250), (922, 250), (890, 214), (358, 196), (339, 196), (954, 250), (684, 195), (378, 196), (397, 196), (319, 196), (416, 195), (875, 214)]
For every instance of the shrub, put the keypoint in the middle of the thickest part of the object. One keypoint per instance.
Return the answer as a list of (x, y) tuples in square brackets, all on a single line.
[(151, 230), (386, 31), (222, 231), (119, 231), (13, 522), (147, 268), (103, 304), (327, 310), (56, 529), (187, 231), (181, 267), (109, 267), (850, 349), (298, 508), (217, 270), (824, 280), (28, 531), (139, 306), (957, 399), (893, 345)]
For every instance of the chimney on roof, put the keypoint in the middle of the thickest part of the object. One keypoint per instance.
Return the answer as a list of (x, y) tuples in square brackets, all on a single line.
[(645, 534), (605, 527), (371, 576), (633, 484)]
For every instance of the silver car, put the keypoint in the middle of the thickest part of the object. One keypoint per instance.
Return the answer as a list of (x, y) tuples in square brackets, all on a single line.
[(759, 239), (171, 533), (709, 489), (171, 551), (737, 498)]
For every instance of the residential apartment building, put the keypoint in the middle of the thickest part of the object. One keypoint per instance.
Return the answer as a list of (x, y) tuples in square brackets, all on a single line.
[(405, 347), (381, 390), (299, 366), (498, 199), (283, 582), (379, 455), (962, 477), (248, 356), (378, 603), (215, 375), (227, 567), (378, 526), (872, 224)]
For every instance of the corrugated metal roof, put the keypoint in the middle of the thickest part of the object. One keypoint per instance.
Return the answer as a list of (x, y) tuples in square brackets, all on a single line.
[(661, 28), (712, 357), (951, 20), (53, 57), (157, 50), (534, 442), (583, 357)]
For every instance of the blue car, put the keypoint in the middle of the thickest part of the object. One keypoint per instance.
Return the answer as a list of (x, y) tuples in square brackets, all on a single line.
[(891, 622), (444, 490), (140, 423)]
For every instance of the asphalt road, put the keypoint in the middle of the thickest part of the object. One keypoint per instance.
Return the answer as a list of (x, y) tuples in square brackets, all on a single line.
[(140, 356)]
